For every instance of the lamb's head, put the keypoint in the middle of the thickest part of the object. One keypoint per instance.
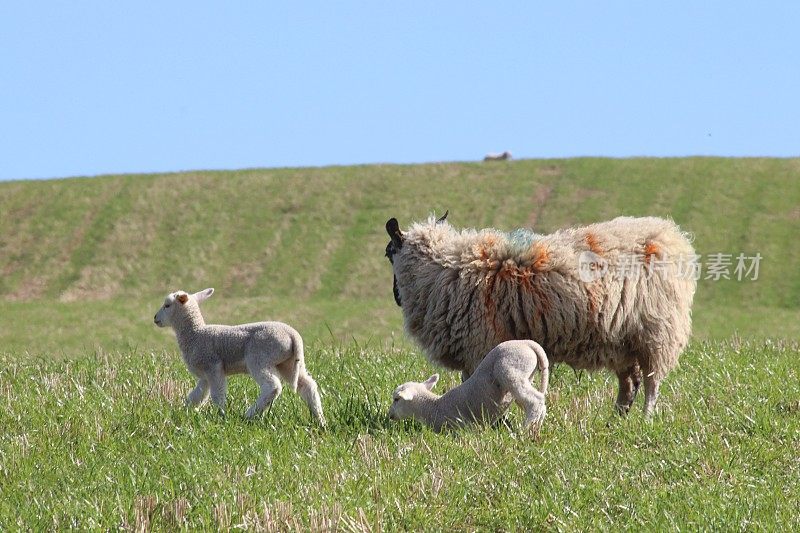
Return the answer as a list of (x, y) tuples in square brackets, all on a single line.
[(180, 304), (396, 245), (407, 397)]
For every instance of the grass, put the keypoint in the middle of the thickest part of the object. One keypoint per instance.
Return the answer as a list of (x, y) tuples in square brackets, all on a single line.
[(306, 245), (104, 442), (94, 435)]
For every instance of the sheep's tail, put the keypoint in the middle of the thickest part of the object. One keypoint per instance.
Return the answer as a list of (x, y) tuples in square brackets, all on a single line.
[(298, 360), (543, 364)]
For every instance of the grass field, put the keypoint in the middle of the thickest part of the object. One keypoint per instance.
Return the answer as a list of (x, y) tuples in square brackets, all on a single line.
[(307, 245), (93, 433), (103, 441)]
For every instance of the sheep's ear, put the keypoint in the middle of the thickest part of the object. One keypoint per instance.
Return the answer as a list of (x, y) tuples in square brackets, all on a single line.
[(393, 229), (205, 294), (405, 394), (443, 217), (431, 381), (182, 298)]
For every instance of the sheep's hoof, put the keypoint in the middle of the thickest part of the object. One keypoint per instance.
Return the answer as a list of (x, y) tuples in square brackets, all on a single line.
[(622, 410), (535, 419), (534, 428), (252, 413)]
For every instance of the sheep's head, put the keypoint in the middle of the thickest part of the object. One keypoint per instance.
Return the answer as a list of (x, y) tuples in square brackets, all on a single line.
[(405, 397), (177, 303), (395, 245)]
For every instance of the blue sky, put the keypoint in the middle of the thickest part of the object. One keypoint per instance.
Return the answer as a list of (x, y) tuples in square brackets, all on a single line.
[(114, 87)]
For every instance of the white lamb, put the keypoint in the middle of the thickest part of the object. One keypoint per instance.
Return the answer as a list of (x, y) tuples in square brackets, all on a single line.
[(268, 351), (502, 376)]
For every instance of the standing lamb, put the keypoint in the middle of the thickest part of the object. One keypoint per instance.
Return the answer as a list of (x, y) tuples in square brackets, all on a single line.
[(268, 351), (504, 374), (612, 295)]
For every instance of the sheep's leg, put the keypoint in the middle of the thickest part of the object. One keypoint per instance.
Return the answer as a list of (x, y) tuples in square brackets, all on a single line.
[(651, 385), (531, 401), (629, 380), (218, 384), (309, 392), (198, 394), (290, 371), (270, 386)]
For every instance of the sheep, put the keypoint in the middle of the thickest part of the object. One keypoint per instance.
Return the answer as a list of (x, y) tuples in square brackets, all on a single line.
[(462, 292), (504, 156), (504, 374), (268, 351)]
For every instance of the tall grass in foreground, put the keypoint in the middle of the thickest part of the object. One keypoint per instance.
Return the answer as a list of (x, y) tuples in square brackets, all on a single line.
[(104, 441)]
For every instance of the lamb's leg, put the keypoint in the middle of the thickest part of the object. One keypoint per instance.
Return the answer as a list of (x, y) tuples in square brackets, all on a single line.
[(218, 384), (270, 386), (308, 390), (531, 401), (629, 380), (198, 394)]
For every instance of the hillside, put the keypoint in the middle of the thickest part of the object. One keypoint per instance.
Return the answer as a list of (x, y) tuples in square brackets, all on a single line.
[(85, 262)]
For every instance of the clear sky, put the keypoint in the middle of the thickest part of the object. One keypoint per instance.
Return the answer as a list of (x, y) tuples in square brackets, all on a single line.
[(98, 87)]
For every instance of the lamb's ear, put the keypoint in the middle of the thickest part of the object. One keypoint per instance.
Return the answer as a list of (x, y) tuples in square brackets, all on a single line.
[(443, 217), (431, 381), (405, 394), (205, 294), (393, 229), (182, 298)]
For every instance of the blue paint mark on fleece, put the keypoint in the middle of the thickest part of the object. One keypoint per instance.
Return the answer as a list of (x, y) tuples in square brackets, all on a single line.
[(522, 238)]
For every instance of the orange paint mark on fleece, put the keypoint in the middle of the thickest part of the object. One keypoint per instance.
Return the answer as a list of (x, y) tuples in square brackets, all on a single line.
[(650, 249), (490, 305), (592, 299), (593, 243), (541, 258)]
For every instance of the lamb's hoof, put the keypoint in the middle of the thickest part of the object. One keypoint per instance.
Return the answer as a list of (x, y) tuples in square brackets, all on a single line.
[(535, 420), (252, 413), (501, 422)]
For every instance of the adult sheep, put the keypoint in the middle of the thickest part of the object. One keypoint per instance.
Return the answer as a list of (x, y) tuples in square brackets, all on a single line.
[(502, 156), (613, 295)]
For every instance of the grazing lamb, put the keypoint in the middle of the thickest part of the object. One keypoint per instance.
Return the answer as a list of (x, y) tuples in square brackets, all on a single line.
[(504, 374), (498, 157), (575, 291), (268, 351)]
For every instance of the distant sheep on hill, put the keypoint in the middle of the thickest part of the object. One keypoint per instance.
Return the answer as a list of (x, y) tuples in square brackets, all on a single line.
[(464, 292), (503, 156)]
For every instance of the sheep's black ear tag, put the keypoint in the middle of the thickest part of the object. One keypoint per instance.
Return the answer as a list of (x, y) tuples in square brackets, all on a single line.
[(183, 298), (443, 217)]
